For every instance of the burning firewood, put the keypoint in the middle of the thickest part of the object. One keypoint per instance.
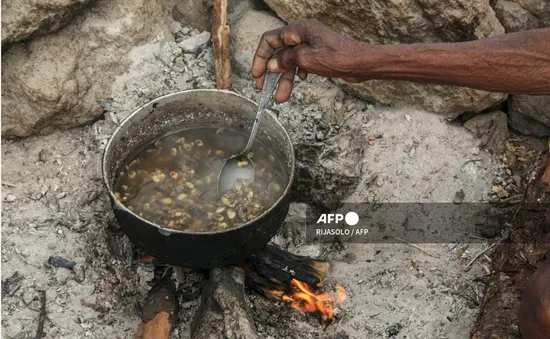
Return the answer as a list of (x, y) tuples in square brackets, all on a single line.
[(282, 276), (274, 268), (160, 310), (303, 298), (273, 273)]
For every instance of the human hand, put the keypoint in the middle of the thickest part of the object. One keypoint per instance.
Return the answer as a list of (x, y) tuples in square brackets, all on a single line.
[(304, 46)]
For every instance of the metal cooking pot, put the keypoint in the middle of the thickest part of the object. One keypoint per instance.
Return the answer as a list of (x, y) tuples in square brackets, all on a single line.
[(195, 109)]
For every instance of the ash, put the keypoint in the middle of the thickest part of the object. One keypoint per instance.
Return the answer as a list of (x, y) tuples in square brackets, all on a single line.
[(55, 205)]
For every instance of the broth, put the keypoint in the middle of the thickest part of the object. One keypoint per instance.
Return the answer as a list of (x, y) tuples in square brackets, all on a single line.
[(172, 182)]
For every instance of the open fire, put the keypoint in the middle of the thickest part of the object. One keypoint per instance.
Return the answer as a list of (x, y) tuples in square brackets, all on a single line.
[(273, 273), (303, 298)]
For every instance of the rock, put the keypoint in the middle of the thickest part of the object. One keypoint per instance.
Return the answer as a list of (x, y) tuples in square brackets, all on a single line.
[(44, 155), (11, 198), (539, 8), (196, 14), (406, 21), (492, 130), (80, 272), (393, 330), (492, 227), (192, 13), (513, 17), (459, 196), (236, 9), (175, 27), (245, 36), (530, 114), (29, 296), (327, 173), (448, 101), (26, 19), (49, 92), (192, 44), (397, 20)]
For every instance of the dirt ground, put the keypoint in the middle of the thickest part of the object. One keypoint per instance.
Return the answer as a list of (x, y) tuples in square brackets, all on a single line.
[(54, 205)]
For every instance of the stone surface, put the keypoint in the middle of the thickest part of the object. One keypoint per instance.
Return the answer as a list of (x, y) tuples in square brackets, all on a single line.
[(449, 101), (539, 8), (492, 130), (193, 43), (197, 13), (327, 173), (406, 21), (236, 9), (530, 114), (47, 91), (192, 13), (25, 19), (513, 17), (245, 36)]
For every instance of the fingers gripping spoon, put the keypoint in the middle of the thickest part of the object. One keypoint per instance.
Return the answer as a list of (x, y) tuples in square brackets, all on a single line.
[(240, 166)]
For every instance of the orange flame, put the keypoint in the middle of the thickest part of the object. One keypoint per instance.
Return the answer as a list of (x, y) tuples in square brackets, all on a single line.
[(305, 299)]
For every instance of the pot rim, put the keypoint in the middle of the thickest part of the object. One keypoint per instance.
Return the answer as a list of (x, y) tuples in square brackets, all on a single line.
[(169, 231)]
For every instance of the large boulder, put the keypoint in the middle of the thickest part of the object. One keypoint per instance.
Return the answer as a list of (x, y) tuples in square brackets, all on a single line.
[(24, 19), (491, 129), (55, 81), (449, 101), (539, 8), (245, 36), (513, 17), (406, 21), (198, 13), (193, 13), (530, 114)]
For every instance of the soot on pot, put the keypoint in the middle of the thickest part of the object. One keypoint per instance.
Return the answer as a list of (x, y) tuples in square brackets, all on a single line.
[(172, 182)]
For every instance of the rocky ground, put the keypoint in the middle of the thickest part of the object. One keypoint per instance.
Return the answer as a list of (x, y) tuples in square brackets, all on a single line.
[(55, 206)]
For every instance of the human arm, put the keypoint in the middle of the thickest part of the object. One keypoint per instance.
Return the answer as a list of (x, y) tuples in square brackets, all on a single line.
[(517, 63)]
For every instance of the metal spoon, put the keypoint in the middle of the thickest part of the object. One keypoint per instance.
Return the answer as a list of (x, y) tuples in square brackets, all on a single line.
[(240, 166)]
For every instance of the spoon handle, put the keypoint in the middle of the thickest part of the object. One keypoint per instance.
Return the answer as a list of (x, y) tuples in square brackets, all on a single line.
[(266, 98)]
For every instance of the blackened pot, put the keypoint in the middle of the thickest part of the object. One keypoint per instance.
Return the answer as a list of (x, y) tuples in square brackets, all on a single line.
[(195, 109)]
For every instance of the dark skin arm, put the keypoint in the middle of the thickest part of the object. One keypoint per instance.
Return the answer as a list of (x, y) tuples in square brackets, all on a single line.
[(517, 63)]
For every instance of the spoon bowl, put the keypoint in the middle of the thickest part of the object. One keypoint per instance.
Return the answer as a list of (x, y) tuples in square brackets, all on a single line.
[(237, 167), (240, 166)]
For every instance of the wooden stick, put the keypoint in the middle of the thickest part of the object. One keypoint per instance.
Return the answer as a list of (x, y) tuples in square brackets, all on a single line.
[(42, 316), (480, 254), (220, 43), (418, 248)]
